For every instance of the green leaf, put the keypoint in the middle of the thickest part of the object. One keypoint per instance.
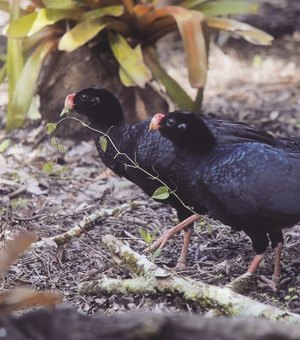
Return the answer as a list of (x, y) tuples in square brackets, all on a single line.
[(65, 4), (81, 34), (191, 26), (227, 7), (14, 66), (191, 3), (31, 23), (221, 7), (103, 143), (23, 94), (246, 31), (145, 235), (4, 145), (114, 11), (125, 79), (156, 253), (174, 90), (48, 167), (50, 127), (161, 193), (91, 23), (53, 140), (130, 59)]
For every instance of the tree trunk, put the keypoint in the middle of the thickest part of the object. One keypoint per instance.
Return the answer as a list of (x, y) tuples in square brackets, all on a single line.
[(65, 73)]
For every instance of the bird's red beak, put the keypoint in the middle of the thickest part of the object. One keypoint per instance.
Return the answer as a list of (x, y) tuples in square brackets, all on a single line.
[(69, 101), (155, 121)]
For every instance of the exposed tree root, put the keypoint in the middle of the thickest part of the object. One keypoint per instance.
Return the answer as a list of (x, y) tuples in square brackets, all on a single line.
[(152, 279)]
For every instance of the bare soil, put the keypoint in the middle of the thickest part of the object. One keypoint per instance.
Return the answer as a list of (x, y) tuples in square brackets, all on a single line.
[(257, 85)]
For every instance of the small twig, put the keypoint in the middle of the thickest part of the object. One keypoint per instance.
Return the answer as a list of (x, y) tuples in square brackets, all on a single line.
[(31, 218), (86, 224), (17, 192)]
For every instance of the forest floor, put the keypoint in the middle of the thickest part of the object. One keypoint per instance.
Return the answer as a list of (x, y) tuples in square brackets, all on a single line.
[(257, 85)]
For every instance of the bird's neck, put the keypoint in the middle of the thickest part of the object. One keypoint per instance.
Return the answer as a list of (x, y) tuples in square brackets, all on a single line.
[(199, 139), (103, 123)]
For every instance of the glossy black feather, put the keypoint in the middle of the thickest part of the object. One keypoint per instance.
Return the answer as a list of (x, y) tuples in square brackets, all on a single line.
[(151, 151), (250, 185)]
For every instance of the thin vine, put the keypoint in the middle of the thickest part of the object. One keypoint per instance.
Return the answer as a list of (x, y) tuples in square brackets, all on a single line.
[(51, 127)]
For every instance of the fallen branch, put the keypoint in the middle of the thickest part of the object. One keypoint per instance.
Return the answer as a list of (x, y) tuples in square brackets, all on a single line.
[(86, 224), (152, 279)]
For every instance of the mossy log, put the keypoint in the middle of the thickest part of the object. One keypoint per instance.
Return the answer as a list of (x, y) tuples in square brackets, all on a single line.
[(151, 279)]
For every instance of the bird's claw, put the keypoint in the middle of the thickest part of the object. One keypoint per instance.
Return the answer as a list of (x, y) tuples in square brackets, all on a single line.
[(161, 241), (273, 283), (181, 265)]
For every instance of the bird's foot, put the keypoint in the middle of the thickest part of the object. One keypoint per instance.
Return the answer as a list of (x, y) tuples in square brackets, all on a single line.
[(160, 243), (162, 240), (243, 283), (181, 265), (273, 283)]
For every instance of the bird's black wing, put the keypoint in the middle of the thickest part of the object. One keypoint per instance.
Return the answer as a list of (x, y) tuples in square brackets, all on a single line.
[(255, 179), (228, 132), (290, 144)]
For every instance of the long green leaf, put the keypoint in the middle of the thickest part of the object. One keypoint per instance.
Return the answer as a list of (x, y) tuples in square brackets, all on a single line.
[(226, 7), (174, 90), (248, 32), (26, 85), (191, 25), (81, 34), (191, 3), (63, 4), (221, 7), (89, 26), (130, 59), (14, 61), (31, 23), (125, 78), (114, 11)]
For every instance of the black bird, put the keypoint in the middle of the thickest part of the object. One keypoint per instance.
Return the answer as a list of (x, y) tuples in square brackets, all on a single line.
[(250, 186), (151, 152)]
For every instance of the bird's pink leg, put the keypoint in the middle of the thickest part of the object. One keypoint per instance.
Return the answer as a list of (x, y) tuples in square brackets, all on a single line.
[(276, 275), (161, 241), (255, 263), (246, 281), (181, 263)]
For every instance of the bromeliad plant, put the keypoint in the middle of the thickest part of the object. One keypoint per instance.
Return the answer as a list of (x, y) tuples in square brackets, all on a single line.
[(37, 27)]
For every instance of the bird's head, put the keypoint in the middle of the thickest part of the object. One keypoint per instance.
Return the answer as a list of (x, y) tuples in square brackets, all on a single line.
[(100, 106), (185, 129)]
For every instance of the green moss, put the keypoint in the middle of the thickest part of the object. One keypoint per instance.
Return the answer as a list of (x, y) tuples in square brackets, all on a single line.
[(131, 262)]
